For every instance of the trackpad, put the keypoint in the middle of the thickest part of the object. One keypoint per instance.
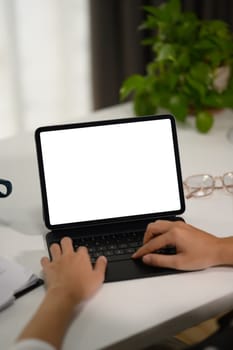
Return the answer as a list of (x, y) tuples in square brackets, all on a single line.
[(130, 269)]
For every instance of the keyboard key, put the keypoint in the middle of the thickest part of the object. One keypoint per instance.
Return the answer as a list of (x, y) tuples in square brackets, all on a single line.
[(123, 245), (130, 250), (108, 253), (111, 246), (135, 244), (118, 251), (91, 250)]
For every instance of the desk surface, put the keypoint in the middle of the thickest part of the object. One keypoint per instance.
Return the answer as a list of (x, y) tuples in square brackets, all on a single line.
[(131, 313)]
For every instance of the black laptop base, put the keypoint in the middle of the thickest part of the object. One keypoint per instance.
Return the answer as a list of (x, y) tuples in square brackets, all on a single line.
[(118, 246), (133, 269)]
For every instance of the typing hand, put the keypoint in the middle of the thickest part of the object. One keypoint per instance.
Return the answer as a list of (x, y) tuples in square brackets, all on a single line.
[(72, 272), (195, 249)]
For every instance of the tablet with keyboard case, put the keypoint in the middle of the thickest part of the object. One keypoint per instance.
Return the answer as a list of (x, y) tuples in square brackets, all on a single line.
[(102, 182)]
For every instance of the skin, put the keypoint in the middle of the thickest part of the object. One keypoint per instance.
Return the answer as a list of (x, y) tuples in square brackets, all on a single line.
[(195, 248), (70, 280)]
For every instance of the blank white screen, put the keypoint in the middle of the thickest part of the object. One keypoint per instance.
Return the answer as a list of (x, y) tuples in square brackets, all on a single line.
[(110, 171)]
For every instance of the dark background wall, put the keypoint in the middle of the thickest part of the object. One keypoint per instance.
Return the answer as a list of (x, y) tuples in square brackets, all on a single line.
[(116, 41)]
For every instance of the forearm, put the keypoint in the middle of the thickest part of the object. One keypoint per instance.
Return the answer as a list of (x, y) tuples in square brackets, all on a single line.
[(224, 252), (51, 319)]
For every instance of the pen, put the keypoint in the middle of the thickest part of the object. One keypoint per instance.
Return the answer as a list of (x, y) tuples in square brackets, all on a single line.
[(28, 289)]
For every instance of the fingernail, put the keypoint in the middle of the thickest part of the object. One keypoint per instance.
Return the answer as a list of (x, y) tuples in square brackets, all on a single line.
[(104, 258), (146, 259), (82, 247), (134, 255)]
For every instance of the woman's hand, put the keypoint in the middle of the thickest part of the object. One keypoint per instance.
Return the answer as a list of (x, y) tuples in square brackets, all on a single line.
[(71, 272), (70, 279), (195, 249)]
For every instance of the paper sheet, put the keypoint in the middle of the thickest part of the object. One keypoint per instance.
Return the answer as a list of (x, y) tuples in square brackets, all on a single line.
[(13, 277)]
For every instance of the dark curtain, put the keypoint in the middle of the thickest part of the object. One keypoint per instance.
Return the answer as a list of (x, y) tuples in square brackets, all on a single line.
[(116, 40)]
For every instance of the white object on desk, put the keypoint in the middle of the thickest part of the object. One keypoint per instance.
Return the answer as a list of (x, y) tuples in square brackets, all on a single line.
[(14, 278)]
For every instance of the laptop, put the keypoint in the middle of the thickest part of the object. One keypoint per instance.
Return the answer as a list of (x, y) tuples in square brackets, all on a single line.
[(103, 182)]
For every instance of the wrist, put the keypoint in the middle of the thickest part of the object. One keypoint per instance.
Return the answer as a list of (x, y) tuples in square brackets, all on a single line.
[(57, 309), (223, 252), (60, 295)]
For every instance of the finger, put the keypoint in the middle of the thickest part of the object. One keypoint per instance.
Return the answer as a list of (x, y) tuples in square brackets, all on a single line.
[(44, 261), (67, 245), (154, 244), (100, 267), (156, 228), (55, 251), (83, 252), (169, 261)]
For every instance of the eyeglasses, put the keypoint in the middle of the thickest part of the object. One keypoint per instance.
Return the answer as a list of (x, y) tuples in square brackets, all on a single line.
[(204, 184)]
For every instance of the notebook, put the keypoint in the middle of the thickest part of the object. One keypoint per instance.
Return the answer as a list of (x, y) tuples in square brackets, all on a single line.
[(102, 182), (15, 281)]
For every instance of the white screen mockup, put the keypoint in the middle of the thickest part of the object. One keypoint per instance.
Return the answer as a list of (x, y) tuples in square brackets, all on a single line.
[(110, 171)]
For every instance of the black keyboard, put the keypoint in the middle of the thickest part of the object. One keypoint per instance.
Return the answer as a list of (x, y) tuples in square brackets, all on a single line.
[(115, 247)]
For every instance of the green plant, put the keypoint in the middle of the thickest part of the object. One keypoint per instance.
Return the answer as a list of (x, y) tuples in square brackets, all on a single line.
[(191, 70)]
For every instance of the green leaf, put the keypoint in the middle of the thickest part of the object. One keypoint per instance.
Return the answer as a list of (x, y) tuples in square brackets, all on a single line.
[(183, 59), (151, 9), (204, 121), (144, 105), (157, 46), (148, 41), (205, 44), (214, 100), (153, 69), (199, 87), (220, 100), (199, 79), (227, 99), (186, 30), (178, 107), (150, 23), (216, 28), (174, 6), (215, 57), (133, 83), (166, 52), (201, 72), (169, 11), (172, 80)]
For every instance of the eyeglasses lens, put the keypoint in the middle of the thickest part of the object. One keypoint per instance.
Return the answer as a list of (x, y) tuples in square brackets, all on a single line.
[(228, 181), (200, 185)]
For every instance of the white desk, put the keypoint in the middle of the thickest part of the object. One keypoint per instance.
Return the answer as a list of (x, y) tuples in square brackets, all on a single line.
[(127, 314)]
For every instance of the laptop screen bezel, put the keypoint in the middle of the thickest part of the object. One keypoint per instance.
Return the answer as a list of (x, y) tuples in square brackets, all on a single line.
[(149, 216)]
